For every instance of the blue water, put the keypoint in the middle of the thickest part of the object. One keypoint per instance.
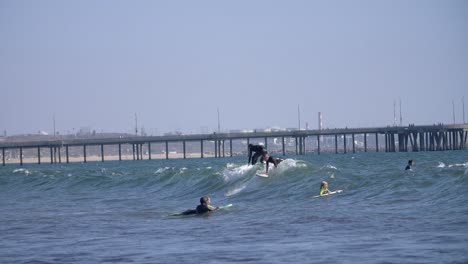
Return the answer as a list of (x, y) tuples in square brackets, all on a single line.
[(117, 211)]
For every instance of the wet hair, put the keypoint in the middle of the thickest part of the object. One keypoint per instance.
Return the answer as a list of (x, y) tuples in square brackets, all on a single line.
[(323, 184), (410, 161), (250, 145), (204, 200)]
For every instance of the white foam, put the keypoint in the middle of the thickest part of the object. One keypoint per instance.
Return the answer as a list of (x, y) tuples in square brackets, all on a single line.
[(441, 165), (25, 171), (161, 170), (459, 165), (235, 191), (232, 172)]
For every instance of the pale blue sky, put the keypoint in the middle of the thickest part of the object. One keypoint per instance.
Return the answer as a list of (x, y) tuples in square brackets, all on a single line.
[(97, 63)]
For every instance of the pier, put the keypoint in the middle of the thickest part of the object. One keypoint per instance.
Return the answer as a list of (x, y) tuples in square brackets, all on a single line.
[(300, 142)]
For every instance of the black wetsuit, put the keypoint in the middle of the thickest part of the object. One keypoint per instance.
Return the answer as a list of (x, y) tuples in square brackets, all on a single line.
[(258, 149), (200, 209), (275, 161)]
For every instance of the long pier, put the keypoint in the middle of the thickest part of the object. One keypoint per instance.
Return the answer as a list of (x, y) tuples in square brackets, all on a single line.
[(388, 139)]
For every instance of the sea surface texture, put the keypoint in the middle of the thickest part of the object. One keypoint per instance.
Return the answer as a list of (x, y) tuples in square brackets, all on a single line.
[(117, 212)]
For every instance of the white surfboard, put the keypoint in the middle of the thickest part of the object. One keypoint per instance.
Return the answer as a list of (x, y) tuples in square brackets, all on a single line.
[(262, 174), (327, 194)]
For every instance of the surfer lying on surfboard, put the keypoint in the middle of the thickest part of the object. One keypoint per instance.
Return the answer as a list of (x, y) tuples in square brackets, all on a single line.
[(269, 159), (204, 207)]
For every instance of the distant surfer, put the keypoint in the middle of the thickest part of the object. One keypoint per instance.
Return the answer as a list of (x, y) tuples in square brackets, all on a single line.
[(204, 207), (324, 188), (269, 159), (258, 151), (410, 165)]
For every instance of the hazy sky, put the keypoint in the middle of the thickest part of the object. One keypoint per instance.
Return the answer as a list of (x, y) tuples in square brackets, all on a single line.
[(173, 63)]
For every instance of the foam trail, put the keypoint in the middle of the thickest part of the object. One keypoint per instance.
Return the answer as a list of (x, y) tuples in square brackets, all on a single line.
[(233, 171)]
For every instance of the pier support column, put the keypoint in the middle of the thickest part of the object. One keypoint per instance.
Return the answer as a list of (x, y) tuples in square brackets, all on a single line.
[(295, 140), (266, 142), (354, 145), (102, 153), (201, 148), (386, 142), (60, 154), (365, 142), (38, 155), (84, 153), (344, 143), (318, 144), (336, 143), (3, 156), (133, 150), (137, 146), (21, 156), (183, 148), (149, 150), (230, 147), (282, 141), (216, 148), (376, 142), (67, 154), (120, 152), (51, 156), (167, 150), (224, 152)]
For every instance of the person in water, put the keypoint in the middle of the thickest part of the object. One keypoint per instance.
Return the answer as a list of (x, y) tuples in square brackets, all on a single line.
[(258, 151), (269, 159), (410, 165), (324, 188), (204, 207)]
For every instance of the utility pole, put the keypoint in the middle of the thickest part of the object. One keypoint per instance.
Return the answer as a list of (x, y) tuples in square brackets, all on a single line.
[(394, 112)]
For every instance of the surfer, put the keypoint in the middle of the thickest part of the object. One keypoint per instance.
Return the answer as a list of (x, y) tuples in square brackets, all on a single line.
[(204, 207), (269, 159), (324, 188), (258, 149), (410, 165)]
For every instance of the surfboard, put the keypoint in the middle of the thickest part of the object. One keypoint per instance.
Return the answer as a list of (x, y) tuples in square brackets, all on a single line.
[(262, 174), (220, 207), (330, 193)]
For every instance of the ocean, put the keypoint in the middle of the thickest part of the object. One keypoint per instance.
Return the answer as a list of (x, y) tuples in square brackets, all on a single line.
[(117, 212)]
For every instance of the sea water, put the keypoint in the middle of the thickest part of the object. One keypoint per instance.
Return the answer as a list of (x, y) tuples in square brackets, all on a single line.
[(117, 212)]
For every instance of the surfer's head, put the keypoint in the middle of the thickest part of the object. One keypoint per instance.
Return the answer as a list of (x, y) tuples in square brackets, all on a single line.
[(324, 185), (411, 162), (250, 145), (205, 200)]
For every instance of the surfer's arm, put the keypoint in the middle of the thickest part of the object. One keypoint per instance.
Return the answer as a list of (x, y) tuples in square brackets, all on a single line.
[(213, 208)]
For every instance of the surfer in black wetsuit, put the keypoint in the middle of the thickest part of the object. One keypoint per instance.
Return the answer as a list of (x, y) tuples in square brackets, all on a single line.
[(258, 149), (410, 165), (204, 207), (269, 159)]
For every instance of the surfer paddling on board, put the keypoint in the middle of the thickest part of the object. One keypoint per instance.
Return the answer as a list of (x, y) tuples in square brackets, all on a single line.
[(410, 165), (324, 189), (204, 207), (269, 159), (258, 149)]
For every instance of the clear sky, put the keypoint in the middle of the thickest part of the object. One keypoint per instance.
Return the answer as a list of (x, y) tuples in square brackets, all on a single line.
[(173, 63)]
